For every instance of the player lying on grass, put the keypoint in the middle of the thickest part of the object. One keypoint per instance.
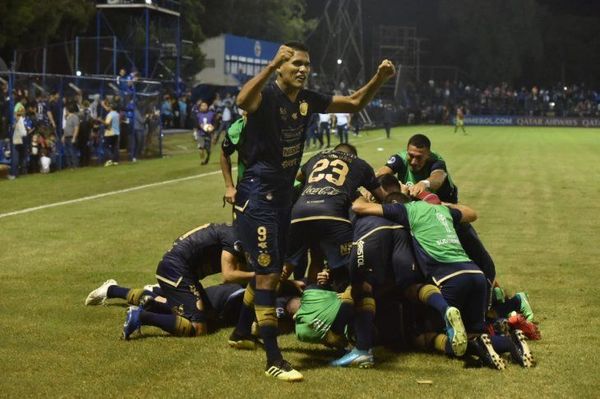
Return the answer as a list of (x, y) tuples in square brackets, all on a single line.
[(224, 300), (445, 263), (203, 251)]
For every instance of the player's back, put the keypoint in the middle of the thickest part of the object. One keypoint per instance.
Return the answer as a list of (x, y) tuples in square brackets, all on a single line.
[(332, 178), (201, 248)]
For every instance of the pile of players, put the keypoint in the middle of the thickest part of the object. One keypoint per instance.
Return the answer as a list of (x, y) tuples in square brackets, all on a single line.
[(404, 246), (399, 247)]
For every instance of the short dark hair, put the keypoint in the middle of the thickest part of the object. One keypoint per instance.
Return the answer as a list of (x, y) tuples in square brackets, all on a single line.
[(297, 46), (389, 183), (420, 141), (396, 198), (345, 147)]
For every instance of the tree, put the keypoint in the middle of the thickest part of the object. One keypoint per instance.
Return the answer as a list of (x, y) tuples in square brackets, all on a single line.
[(275, 20), (31, 23)]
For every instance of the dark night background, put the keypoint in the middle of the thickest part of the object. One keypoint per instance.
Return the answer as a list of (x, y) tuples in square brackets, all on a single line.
[(517, 41), (513, 41)]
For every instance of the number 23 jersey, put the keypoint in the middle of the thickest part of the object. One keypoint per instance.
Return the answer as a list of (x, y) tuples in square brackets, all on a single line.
[(331, 180)]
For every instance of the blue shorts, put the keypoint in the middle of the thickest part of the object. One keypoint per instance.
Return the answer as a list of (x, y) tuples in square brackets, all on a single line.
[(468, 293), (383, 260), (334, 237), (185, 294), (262, 229)]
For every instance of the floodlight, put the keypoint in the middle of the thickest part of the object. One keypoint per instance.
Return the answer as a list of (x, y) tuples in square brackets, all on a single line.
[(339, 61)]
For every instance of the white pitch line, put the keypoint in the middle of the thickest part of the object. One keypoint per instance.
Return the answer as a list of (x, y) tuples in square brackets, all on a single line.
[(127, 190)]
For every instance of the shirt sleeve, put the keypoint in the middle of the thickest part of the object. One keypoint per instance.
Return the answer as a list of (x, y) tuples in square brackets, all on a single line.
[(456, 215), (439, 164), (318, 102), (369, 180), (396, 213), (227, 146), (395, 163)]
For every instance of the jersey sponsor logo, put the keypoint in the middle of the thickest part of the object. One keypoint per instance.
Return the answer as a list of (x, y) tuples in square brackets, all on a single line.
[(392, 160), (328, 191), (320, 325), (360, 254), (292, 150), (290, 163), (448, 240), (303, 108)]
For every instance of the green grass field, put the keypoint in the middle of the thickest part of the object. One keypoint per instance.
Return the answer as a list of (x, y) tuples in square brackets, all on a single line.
[(537, 194)]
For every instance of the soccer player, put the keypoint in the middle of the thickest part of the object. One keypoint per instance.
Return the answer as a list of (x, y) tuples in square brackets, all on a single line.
[(320, 215), (224, 299), (459, 121), (422, 170), (443, 259), (278, 114), (425, 171), (229, 145), (206, 250), (382, 263)]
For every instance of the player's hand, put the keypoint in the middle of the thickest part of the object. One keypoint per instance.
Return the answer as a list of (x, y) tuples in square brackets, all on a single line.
[(283, 55), (405, 189), (229, 196), (417, 189), (386, 69), (323, 277)]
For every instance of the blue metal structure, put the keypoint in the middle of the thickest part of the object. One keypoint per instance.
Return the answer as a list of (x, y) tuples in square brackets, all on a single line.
[(160, 13)]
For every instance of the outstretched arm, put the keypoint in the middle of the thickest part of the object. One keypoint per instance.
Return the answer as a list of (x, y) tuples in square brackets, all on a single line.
[(432, 183), (360, 98), (468, 214)]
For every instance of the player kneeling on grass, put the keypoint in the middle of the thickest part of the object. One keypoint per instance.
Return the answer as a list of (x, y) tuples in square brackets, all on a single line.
[(203, 251)]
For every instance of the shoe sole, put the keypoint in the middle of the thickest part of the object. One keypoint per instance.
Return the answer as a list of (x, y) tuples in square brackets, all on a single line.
[(242, 345), (497, 362), (459, 340), (527, 360)]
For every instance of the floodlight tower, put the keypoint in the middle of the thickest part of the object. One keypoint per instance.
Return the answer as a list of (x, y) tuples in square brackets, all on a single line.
[(340, 51)]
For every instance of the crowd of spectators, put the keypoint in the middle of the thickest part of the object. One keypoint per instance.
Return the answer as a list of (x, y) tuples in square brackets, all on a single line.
[(51, 132), (437, 101)]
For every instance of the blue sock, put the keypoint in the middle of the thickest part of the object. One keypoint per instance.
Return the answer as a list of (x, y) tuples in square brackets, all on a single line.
[(438, 302), (114, 291), (501, 343), (264, 307), (363, 323), (163, 321)]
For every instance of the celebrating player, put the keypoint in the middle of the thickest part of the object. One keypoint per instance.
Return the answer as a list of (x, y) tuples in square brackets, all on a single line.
[(278, 114)]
